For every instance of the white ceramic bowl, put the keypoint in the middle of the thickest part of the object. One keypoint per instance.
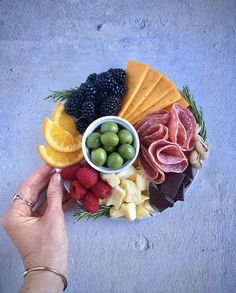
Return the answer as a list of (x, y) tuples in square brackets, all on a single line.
[(93, 126)]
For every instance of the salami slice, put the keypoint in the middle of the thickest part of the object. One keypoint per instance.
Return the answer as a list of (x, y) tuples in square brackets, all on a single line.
[(182, 127), (168, 156), (151, 171), (160, 117), (154, 134)]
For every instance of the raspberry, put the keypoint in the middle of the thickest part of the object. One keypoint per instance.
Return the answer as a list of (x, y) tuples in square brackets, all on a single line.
[(87, 176), (77, 191), (90, 203), (69, 173), (101, 190)]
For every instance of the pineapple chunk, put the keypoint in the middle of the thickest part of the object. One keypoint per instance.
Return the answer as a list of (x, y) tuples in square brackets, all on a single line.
[(112, 179), (142, 212), (132, 193), (116, 198)]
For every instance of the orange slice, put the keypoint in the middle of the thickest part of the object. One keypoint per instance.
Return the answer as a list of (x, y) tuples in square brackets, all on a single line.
[(57, 159), (64, 120), (58, 138)]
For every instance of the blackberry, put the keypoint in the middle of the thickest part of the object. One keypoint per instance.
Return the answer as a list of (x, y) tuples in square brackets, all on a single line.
[(81, 124), (88, 109), (73, 105), (118, 73), (119, 90), (101, 96), (88, 90), (110, 106), (105, 81), (91, 77)]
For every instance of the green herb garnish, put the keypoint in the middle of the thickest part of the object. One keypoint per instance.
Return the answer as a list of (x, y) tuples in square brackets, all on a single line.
[(61, 96), (197, 113), (81, 214)]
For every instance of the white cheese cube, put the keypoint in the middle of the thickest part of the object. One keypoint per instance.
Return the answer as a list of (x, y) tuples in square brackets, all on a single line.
[(129, 210), (114, 213), (126, 173), (117, 196), (147, 206), (141, 212), (132, 193), (141, 182), (112, 179)]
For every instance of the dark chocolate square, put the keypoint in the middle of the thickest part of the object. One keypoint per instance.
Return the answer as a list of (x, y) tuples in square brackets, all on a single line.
[(180, 193), (172, 184), (158, 199)]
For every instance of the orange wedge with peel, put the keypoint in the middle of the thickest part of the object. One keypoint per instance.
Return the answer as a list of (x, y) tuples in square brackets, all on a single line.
[(64, 120), (58, 138), (58, 159)]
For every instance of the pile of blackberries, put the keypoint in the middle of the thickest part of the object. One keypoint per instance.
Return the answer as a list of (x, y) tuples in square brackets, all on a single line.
[(99, 96)]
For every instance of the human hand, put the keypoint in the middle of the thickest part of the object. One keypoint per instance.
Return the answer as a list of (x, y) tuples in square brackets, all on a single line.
[(39, 236)]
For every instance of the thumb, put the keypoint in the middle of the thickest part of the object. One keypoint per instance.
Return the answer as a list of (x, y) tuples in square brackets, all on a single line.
[(55, 193)]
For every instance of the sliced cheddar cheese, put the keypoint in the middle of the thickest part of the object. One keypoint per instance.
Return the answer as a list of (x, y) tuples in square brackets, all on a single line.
[(151, 79), (163, 87), (182, 102), (169, 99), (135, 74)]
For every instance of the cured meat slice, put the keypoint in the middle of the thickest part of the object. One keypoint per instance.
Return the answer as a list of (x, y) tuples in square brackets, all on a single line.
[(168, 156), (155, 133), (161, 117), (151, 171), (182, 127)]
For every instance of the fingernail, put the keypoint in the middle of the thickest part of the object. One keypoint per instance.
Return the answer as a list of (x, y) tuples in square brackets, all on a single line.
[(57, 178)]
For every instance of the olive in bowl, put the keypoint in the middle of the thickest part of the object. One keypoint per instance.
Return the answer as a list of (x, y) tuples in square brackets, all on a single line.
[(110, 144)]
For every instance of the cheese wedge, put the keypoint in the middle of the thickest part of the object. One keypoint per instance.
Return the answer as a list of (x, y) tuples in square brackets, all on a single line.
[(151, 79), (135, 74), (163, 87), (182, 102), (169, 99)]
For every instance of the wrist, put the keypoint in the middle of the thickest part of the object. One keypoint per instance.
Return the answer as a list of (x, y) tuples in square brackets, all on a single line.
[(42, 281), (48, 259)]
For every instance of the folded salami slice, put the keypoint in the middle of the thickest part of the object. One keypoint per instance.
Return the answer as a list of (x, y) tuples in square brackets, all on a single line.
[(151, 171), (182, 127), (160, 117), (168, 156), (155, 133)]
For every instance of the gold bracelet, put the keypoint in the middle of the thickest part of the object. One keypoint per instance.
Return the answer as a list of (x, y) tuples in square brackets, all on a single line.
[(46, 269)]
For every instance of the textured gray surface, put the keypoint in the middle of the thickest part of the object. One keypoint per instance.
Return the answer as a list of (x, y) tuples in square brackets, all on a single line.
[(56, 44)]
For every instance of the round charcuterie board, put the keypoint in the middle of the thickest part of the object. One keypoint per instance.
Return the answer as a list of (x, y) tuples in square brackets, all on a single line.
[(127, 143)]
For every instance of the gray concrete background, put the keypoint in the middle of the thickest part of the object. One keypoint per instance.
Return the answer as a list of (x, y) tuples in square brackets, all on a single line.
[(55, 45)]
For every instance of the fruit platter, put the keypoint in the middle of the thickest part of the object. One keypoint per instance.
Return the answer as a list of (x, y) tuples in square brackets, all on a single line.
[(128, 142)]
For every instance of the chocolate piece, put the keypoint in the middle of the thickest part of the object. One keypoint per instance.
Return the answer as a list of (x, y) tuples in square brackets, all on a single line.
[(172, 184), (180, 193), (158, 199), (188, 172), (188, 176)]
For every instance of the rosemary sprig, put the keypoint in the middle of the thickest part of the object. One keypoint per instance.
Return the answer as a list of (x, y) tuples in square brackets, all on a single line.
[(198, 113), (80, 214), (61, 96)]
